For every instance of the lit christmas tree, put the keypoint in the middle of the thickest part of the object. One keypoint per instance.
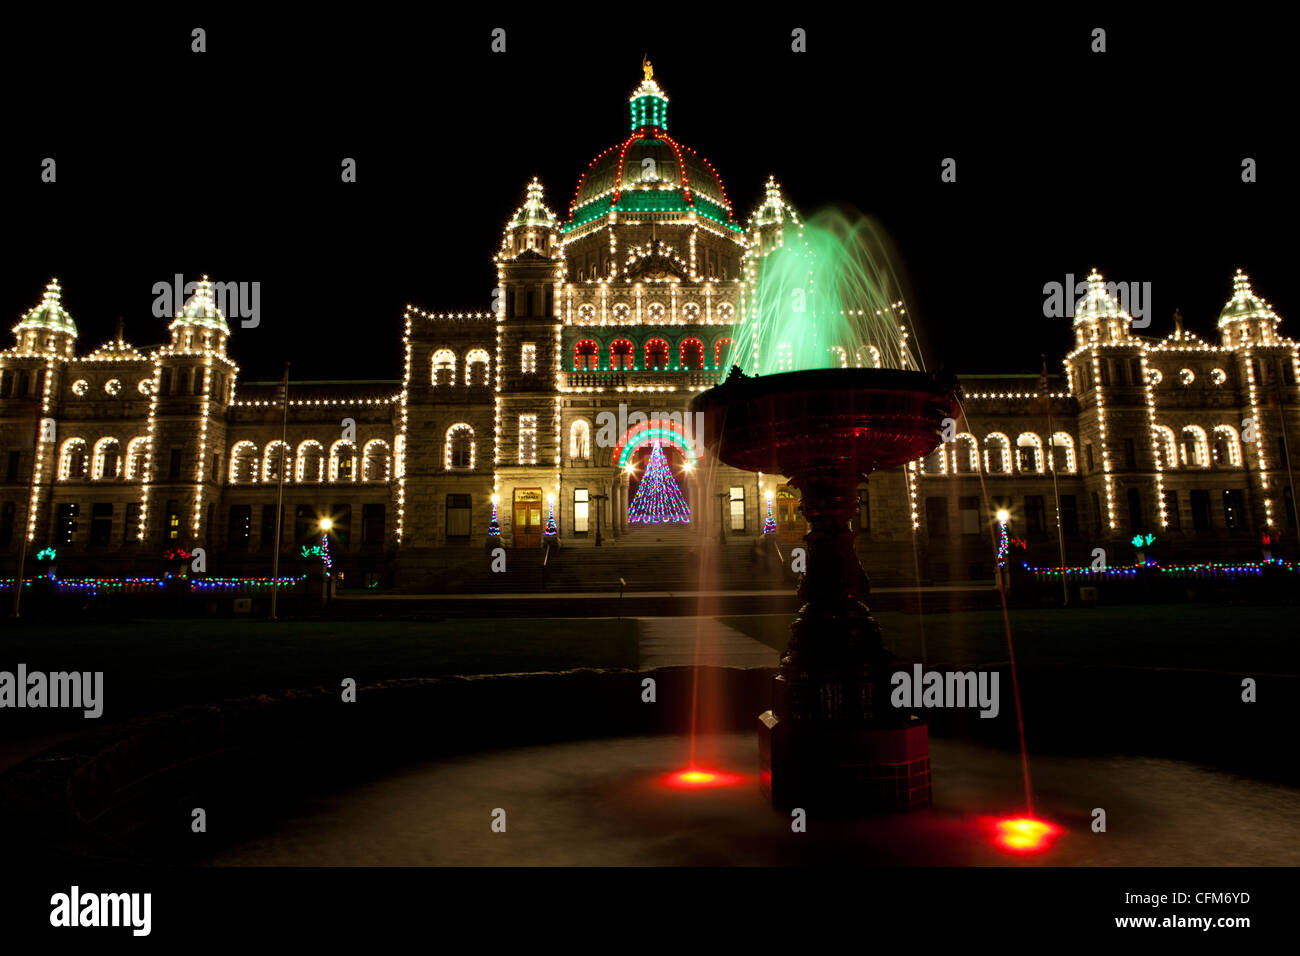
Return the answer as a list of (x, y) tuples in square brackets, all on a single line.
[(658, 499), (769, 523), (551, 529)]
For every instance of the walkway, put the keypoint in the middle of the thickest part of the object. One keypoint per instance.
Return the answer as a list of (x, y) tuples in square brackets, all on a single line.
[(671, 642)]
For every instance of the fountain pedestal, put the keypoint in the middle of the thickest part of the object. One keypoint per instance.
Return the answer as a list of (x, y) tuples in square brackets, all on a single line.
[(832, 742)]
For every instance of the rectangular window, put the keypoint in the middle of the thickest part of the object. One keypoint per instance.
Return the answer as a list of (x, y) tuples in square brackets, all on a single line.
[(1028, 458), (1104, 366), (1130, 453), (1069, 514), (1087, 455), (738, 508), (240, 528), (372, 526), (936, 517), (269, 513), (1135, 518), (341, 532), (581, 515), (131, 526), (101, 524), (8, 515), (1135, 371), (172, 520), (527, 439), (528, 358), (66, 528), (1201, 518), (1234, 509), (1035, 514), (968, 514), (15, 461), (1172, 518), (458, 514)]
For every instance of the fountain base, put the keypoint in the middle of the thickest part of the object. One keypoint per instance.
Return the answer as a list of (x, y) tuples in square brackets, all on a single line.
[(837, 770)]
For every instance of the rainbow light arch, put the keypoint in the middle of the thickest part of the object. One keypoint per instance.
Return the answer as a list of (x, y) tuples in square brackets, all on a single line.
[(639, 435)]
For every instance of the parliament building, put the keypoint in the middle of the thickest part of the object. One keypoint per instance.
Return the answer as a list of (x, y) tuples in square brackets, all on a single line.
[(548, 403)]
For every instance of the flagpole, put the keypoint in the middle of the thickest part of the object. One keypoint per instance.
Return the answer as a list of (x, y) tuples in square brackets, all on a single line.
[(279, 498), (27, 515), (1056, 488)]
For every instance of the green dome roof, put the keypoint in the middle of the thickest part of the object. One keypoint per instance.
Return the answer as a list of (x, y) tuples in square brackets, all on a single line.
[(201, 311), (1244, 304), (49, 316), (1097, 302), (533, 213)]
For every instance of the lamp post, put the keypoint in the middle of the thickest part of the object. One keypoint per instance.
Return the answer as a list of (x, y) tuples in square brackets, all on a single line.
[(1003, 518), (722, 497), (600, 507)]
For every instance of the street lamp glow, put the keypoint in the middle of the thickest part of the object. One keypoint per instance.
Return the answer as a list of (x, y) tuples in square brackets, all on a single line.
[(326, 524), (1003, 516), (496, 500)]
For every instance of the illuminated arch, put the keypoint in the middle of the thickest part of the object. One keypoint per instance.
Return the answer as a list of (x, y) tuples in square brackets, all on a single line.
[(310, 462), (1195, 441), (622, 354), (1029, 440), (1003, 446), (459, 443), (243, 463), (1226, 438), (658, 355), (965, 454), (690, 354), (107, 460), (661, 431), (1063, 441), (442, 367), (1167, 445), (586, 355), (480, 376), (72, 459), (135, 451), (343, 460), (376, 461)]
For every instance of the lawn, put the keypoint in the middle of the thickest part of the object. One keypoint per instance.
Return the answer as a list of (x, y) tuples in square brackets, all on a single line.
[(1235, 639), (151, 665)]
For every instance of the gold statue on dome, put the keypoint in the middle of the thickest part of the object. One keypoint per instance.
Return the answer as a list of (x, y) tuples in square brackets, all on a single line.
[(647, 67)]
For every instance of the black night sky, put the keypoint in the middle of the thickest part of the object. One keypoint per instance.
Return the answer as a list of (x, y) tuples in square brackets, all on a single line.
[(228, 162)]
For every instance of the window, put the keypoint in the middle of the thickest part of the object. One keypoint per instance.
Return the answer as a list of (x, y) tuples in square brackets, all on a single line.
[(620, 354), (580, 440), (656, 354), (968, 514), (1130, 453), (1087, 456), (1172, 518), (1201, 519), (305, 525), (864, 510), (172, 520), (936, 517), (458, 516), (15, 462), (66, 526), (269, 525), (692, 354), (1069, 514), (1135, 510), (586, 355), (443, 367), (1029, 453), (174, 464), (341, 530), (1135, 371), (458, 447), (527, 439), (131, 526), (581, 515), (240, 527), (1035, 514), (528, 358), (372, 526), (8, 515), (1104, 366), (737, 508), (101, 524), (1234, 509)]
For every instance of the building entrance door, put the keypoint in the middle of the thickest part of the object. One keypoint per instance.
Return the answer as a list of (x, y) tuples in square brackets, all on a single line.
[(528, 517), (790, 524)]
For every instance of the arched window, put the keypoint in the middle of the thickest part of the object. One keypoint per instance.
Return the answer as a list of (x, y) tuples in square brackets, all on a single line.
[(586, 355), (376, 461), (1062, 455), (656, 354), (1227, 447), (997, 454), (276, 462), (311, 461), (721, 351), (1195, 450), (692, 354), (1167, 446), (1029, 453), (135, 450), (72, 459), (476, 367), (108, 460), (580, 439), (243, 463), (343, 461), (443, 365), (965, 454), (458, 447), (936, 463), (621, 354)]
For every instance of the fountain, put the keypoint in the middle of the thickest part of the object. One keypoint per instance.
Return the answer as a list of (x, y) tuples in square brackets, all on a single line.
[(831, 741)]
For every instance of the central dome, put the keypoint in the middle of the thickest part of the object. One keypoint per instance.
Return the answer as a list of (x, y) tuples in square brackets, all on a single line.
[(649, 175)]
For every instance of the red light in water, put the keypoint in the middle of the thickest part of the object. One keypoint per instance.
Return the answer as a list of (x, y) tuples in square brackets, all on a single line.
[(1024, 834), (693, 778)]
